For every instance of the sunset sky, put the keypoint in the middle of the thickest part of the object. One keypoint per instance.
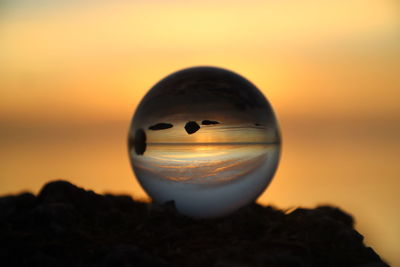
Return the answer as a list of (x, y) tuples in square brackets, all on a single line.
[(95, 59), (73, 72)]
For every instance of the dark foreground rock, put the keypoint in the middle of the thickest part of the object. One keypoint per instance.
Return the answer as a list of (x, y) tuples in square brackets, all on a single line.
[(67, 226)]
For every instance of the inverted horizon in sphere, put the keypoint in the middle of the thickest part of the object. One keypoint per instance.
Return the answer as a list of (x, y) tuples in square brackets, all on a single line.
[(207, 139)]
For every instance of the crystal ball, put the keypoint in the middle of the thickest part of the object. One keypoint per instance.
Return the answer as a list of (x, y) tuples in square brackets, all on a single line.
[(205, 138)]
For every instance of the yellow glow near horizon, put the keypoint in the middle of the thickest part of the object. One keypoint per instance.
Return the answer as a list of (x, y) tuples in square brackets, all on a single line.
[(97, 60)]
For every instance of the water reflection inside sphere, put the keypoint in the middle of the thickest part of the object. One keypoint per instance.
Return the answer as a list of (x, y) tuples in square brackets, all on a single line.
[(205, 138)]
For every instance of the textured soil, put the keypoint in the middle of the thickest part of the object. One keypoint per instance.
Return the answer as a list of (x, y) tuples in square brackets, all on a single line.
[(67, 226)]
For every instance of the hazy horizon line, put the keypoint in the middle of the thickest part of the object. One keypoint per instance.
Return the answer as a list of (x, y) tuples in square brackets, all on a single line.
[(214, 143)]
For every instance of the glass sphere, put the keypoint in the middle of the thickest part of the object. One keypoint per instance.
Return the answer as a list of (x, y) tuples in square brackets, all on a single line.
[(205, 138)]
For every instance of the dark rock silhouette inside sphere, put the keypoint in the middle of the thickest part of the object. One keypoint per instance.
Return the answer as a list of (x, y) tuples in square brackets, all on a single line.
[(209, 122), (140, 142), (191, 127), (161, 126)]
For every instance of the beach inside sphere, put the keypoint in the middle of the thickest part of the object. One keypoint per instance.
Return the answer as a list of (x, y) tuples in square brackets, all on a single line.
[(203, 163)]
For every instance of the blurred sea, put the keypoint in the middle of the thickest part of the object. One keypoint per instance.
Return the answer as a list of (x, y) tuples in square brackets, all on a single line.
[(353, 166)]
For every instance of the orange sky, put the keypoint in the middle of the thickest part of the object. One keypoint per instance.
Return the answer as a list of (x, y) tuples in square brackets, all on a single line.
[(72, 73), (98, 59)]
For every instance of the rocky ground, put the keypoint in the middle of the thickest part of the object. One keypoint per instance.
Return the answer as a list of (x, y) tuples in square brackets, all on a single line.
[(67, 226)]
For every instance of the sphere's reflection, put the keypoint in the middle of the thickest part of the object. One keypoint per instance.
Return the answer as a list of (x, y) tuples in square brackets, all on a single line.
[(206, 138)]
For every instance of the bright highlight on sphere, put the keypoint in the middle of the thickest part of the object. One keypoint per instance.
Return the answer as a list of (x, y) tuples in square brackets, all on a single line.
[(205, 138)]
